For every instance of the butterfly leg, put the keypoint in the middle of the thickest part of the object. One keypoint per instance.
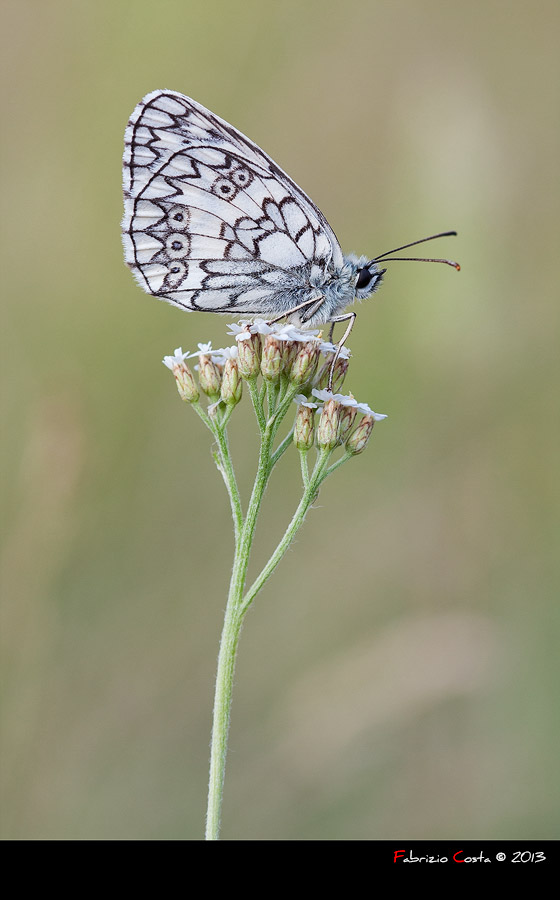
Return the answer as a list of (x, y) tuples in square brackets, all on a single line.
[(311, 305), (350, 318)]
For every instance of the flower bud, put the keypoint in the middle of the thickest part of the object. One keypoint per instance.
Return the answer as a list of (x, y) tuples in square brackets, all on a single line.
[(249, 354), (289, 353), (327, 430), (304, 428), (339, 374), (360, 436), (186, 385), (272, 362), (347, 418), (209, 376), (232, 385), (321, 379), (305, 363)]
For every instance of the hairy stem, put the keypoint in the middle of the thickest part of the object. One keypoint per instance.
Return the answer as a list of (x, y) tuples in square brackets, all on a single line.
[(297, 520)]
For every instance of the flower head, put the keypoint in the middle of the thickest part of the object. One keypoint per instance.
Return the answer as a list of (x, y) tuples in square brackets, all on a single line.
[(232, 385), (304, 365), (289, 332), (327, 430), (272, 362), (249, 351), (244, 328), (177, 358), (347, 400), (340, 369), (348, 416), (209, 375), (302, 400), (304, 427), (221, 356), (326, 347), (184, 378), (357, 441)]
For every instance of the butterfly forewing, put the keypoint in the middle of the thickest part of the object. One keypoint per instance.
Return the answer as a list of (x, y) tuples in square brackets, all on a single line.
[(211, 222)]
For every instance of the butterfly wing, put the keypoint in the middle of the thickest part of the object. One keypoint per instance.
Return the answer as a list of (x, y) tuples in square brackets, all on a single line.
[(211, 222)]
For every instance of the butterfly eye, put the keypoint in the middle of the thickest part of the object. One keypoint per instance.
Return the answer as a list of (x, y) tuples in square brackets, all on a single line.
[(364, 279)]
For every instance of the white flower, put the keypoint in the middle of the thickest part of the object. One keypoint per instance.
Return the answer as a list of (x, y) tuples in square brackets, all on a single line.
[(235, 327), (238, 329), (203, 350), (291, 333), (259, 326), (364, 408), (323, 395), (220, 356), (244, 328), (302, 400), (177, 358), (288, 332), (347, 400), (326, 347)]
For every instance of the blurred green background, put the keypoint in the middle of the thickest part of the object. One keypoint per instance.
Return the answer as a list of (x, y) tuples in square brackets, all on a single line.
[(398, 676)]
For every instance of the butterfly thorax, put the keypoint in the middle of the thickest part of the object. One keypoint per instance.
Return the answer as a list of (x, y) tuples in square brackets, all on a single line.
[(337, 287)]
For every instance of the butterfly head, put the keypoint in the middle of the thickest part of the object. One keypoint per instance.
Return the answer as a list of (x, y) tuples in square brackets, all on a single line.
[(368, 279), (366, 275)]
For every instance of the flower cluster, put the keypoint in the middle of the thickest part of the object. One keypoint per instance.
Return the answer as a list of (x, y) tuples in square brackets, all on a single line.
[(294, 364), (218, 374), (276, 366)]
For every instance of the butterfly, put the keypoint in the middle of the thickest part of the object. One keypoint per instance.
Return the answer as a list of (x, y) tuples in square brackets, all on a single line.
[(212, 223)]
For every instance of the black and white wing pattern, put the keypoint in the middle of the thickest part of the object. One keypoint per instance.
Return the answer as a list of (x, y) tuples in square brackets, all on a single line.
[(211, 222)]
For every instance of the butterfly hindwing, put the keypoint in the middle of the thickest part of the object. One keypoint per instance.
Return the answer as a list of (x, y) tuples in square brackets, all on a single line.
[(210, 221)]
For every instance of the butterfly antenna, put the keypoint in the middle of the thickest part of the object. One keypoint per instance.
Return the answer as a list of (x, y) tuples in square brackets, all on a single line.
[(386, 258), (448, 262)]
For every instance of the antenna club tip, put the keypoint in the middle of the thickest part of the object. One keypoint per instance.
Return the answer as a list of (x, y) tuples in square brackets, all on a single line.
[(457, 267)]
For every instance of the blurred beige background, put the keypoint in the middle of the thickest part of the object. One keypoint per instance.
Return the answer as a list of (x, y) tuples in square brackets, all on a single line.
[(399, 675)]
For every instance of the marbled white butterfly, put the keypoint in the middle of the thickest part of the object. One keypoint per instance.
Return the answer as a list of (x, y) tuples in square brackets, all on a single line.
[(211, 223)]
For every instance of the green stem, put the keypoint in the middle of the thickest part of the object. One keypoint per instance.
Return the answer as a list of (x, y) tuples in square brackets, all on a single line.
[(228, 645), (257, 401), (225, 465), (221, 717), (230, 480), (276, 419), (237, 604), (281, 448), (200, 411), (304, 467), (346, 456), (297, 520), (272, 389)]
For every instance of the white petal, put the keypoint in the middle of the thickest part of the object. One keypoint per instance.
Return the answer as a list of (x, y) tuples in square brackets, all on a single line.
[(346, 399), (177, 358), (302, 400), (322, 395)]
